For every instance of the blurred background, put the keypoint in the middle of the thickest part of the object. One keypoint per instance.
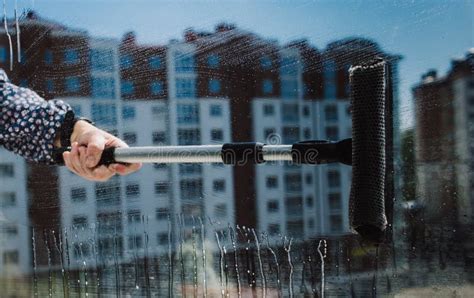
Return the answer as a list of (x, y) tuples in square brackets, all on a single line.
[(209, 72)]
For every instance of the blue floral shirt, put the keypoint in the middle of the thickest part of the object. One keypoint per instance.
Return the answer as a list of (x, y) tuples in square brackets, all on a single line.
[(28, 123)]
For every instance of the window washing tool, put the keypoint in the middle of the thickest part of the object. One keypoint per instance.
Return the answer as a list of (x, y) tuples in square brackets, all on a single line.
[(365, 151)]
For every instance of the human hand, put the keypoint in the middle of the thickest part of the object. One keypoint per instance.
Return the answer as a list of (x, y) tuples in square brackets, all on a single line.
[(88, 142)]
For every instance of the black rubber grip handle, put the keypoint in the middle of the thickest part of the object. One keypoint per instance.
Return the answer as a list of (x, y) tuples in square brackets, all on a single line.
[(322, 152), (242, 153), (107, 157)]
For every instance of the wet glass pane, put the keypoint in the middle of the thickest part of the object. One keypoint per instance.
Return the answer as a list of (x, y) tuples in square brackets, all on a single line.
[(289, 148)]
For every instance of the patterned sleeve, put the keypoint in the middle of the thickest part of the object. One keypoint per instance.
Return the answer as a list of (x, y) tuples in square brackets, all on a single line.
[(28, 123)]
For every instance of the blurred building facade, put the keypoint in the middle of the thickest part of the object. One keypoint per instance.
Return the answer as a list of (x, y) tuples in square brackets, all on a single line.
[(443, 142), (444, 152), (228, 85)]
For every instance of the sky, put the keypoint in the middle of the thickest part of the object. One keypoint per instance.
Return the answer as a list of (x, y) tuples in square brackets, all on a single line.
[(428, 34)]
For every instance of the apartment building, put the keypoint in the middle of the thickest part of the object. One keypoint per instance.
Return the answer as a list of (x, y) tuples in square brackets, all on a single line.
[(14, 221), (443, 142)]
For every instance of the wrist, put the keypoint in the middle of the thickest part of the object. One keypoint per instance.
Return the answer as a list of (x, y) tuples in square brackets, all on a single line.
[(71, 128)]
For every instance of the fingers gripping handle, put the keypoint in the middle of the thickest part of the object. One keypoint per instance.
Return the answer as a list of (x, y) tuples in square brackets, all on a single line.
[(107, 157)]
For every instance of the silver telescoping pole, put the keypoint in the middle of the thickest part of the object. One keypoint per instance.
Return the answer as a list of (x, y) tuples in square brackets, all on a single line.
[(192, 154)]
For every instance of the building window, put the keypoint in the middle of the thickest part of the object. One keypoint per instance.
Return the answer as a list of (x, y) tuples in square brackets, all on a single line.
[(189, 137), (7, 170), (11, 257), (290, 112), (330, 113), (332, 133), (214, 86), (9, 230), (329, 73), (217, 135), (272, 206), (307, 89), (103, 87), (334, 178), (71, 56), (108, 194), (268, 110), (334, 201), (191, 189), (267, 87), (188, 113), (132, 190), (335, 223), (102, 60), (162, 238), (220, 211), (162, 213), (289, 66), (157, 88), (311, 223), (134, 216), (309, 201), (293, 182), (162, 188), (81, 250), (78, 194), (154, 62), (130, 138), (48, 56), (104, 114), (266, 62), (159, 111), (184, 62), (213, 61), (185, 88), (295, 228), (160, 166), (294, 206), (128, 112), (126, 61), (3, 54), (127, 87), (268, 133), (190, 168), (289, 88), (79, 222), (215, 110), (309, 179), (73, 84), (307, 133), (272, 182), (218, 185), (291, 135), (306, 111), (135, 242), (7, 199), (273, 229), (158, 137)]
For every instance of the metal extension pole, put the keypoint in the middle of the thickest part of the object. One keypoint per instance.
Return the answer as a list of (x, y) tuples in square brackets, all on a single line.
[(193, 154), (309, 152)]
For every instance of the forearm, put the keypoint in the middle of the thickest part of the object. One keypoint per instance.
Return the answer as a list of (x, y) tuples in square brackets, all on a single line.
[(29, 124)]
